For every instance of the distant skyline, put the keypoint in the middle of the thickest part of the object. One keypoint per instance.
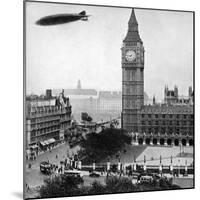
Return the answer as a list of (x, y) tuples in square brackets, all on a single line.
[(58, 56)]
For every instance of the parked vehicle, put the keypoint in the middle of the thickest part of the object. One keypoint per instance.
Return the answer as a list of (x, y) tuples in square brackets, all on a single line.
[(145, 179), (74, 173), (46, 167), (94, 174), (135, 177)]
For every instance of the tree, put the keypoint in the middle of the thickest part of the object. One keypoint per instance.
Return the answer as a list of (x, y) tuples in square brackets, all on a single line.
[(119, 184), (97, 188), (86, 117), (60, 186), (107, 142)]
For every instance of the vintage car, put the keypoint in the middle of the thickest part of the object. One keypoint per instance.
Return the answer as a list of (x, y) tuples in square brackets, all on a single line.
[(46, 167), (94, 174)]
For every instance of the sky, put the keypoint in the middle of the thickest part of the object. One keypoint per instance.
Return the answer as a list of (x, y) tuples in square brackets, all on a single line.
[(58, 56)]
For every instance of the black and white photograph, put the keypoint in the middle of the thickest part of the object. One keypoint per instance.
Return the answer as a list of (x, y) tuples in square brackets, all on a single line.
[(108, 99)]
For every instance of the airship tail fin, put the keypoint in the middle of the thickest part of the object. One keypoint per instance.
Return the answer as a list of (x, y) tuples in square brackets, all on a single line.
[(82, 13)]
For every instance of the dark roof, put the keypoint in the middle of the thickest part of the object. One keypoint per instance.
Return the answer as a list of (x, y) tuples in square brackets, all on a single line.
[(132, 34), (133, 19), (167, 109)]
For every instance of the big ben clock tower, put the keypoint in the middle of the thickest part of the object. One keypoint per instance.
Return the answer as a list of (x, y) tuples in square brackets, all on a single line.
[(132, 77)]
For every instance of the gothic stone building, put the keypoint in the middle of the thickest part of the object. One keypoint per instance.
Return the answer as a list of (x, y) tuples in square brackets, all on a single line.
[(167, 124)]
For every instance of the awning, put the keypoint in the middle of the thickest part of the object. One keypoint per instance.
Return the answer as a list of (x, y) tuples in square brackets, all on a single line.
[(43, 143), (52, 140), (33, 146), (46, 142)]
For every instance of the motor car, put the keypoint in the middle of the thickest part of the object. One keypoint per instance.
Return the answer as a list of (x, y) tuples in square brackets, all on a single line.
[(74, 173), (145, 179), (135, 175), (94, 174), (46, 167)]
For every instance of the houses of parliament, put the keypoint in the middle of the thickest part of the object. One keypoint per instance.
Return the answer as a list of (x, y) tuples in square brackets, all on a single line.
[(169, 123)]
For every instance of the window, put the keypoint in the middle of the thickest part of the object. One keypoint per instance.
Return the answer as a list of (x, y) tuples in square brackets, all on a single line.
[(170, 116), (170, 130), (184, 123), (156, 115), (149, 115), (33, 134), (156, 122), (149, 130), (163, 130), (163, 116), (177, 116)]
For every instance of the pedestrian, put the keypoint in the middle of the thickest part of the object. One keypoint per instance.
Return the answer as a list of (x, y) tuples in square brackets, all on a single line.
[(27, 188), (56, 156)]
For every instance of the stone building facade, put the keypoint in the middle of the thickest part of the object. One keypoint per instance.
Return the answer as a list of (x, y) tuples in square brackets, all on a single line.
[(46, 121), (132, 77), (165, 124)]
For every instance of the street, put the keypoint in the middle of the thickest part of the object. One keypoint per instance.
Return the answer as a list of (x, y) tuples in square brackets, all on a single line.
[(33, 175)]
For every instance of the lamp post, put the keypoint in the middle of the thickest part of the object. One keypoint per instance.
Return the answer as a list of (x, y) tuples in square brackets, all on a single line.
[(160, 166), (180, 149), (93, 166), (145, 167), (171, 166), (186, 168), (134, 164)]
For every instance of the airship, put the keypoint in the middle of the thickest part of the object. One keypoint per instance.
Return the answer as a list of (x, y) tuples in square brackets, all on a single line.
[(62, 18)]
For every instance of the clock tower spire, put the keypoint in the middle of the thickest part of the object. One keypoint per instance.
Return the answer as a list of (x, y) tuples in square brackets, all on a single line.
[(132, 33), (132, 77)]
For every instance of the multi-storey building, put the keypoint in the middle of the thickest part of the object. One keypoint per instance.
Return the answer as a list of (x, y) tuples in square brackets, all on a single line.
[(168, 123), (46, 121)]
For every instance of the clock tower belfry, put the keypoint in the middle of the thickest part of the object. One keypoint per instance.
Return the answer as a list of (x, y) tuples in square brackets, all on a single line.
[(132, 77)]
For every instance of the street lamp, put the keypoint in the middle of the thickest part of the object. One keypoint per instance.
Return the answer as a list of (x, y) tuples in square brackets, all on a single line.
[(145, 168), (160, 167)]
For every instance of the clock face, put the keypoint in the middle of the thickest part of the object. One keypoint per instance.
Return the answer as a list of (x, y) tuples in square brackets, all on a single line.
[(130, 55)]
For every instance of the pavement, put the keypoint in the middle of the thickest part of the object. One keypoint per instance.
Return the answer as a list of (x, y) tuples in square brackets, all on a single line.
[(152, 155), (184, 182)]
